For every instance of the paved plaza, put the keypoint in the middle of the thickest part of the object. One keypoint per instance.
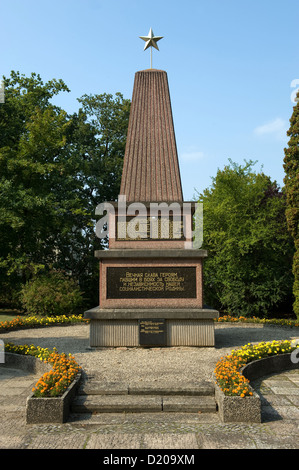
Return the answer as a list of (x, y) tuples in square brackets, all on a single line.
[(279, 393)]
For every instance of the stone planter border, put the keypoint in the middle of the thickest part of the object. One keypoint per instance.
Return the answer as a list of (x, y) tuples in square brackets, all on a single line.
[(248, 409), (238, 409), (51, 410), (42, 410), (268, 365), (30, 364)]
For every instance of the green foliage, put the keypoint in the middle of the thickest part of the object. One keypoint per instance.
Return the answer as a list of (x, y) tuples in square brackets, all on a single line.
[(51, 294), (32, 136), (109, 118), (37, 321), (55, 169), (247, 271), (291, 181)]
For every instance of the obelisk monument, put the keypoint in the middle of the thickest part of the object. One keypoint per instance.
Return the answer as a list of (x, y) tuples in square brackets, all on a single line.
[(151, 276)]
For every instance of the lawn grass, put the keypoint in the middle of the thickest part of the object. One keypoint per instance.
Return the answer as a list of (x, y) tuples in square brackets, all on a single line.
[(7, 314)]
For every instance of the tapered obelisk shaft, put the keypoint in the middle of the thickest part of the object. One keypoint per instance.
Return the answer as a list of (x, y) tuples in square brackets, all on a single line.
[(151, 168)]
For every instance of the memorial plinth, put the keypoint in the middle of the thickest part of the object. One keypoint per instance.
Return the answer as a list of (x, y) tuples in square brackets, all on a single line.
[(150, 288), (121, 327), (151, 278)]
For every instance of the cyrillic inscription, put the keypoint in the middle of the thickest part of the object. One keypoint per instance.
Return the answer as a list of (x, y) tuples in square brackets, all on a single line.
[(151, 282)]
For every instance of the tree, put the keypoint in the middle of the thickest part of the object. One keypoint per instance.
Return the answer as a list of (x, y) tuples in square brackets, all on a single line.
[(32, 135), (247, 271), (96, 145), (54, 170), (291, 181), (109, 118)]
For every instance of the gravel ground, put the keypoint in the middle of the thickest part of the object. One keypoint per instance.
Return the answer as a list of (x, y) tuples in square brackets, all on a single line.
[(143, 366)]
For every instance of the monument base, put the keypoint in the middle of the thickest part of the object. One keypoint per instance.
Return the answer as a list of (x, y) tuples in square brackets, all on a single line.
[(151, 327)]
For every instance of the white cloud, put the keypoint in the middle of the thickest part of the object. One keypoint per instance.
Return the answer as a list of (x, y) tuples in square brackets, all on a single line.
[(192, 155), (276, 128)]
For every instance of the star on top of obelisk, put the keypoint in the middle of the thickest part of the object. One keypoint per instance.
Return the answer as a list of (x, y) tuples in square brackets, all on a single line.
[(151, 41)]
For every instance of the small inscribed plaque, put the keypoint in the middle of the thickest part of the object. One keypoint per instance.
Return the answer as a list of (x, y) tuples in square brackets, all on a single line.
[(152, 332)]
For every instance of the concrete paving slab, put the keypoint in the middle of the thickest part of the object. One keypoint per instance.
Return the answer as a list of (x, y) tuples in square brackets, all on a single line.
[(202, 404), (288, 412), (113, 441), (294, 399), (170, 441), (286, 390), (275, 400), (57, 441), (11, 442), (220, 439), (121, 403)]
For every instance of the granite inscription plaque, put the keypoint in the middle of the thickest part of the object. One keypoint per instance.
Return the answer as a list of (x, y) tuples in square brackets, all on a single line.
[(152, 332), (151, 282)]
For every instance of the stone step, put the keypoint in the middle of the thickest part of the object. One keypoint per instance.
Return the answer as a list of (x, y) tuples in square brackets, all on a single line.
[(142, 404), (203, 388)]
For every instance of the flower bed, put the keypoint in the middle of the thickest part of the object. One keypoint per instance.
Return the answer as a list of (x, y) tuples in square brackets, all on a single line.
[(64, 368), (55, 382), (228, 376), (237, 401), (37, 321), (263, 321), (52, 394)]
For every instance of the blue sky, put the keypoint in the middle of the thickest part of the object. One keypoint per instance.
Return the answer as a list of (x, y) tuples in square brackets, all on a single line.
[(232, 68)]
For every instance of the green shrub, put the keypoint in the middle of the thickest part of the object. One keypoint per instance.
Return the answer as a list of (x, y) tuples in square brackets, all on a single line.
[(51, 294), (248, 268), (291, 181)]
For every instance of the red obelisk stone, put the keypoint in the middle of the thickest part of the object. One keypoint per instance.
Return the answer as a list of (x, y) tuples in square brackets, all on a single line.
[(151, 168)]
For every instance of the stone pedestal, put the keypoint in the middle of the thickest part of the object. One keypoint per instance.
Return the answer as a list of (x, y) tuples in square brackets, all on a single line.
[(151, 278), (151, 298), (163, 327)]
